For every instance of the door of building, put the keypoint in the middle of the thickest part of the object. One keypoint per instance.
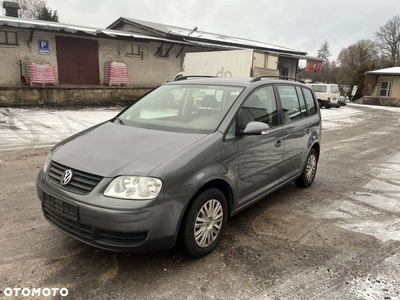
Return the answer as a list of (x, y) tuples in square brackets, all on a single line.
[(78, 61)]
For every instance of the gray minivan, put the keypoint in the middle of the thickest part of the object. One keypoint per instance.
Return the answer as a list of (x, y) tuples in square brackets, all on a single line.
[(164, 171)]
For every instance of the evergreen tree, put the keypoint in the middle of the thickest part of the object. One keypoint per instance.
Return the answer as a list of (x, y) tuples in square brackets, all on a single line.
[(359, 77), (46, 14)]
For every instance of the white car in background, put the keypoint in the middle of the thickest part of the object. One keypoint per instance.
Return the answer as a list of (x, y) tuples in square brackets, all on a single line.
[(327, 94)]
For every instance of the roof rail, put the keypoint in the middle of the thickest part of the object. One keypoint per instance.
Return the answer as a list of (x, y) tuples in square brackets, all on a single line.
[(258, 78), (193, 76)]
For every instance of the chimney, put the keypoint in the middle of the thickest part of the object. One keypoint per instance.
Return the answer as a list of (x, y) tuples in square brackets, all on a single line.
[(11, 8)]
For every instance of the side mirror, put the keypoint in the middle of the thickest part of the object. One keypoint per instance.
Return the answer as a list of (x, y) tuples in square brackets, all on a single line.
[(255, 128)]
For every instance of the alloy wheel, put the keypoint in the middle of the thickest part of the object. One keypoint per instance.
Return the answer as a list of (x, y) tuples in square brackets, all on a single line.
[(208, 223), (311, 167)]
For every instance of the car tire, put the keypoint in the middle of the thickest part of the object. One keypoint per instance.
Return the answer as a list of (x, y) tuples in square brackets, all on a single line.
[(204, 223), (328, 107), (310, 170), (320, 103)]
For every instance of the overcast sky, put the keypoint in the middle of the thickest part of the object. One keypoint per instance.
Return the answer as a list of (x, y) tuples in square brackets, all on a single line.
[(301, 25)]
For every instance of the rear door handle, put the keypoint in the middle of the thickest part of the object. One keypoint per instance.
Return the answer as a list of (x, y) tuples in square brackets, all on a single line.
[(278, 144)]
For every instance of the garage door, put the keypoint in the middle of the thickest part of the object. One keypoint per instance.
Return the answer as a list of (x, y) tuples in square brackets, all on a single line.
[(78, 61)]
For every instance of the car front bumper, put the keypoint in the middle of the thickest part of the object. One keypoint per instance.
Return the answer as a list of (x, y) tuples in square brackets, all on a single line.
[(126, 226)]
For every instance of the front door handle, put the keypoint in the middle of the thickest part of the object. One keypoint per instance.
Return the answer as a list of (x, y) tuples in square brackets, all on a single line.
[(278, 144)]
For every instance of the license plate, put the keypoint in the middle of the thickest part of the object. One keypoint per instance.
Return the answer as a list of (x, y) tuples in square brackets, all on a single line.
[(65, 209)]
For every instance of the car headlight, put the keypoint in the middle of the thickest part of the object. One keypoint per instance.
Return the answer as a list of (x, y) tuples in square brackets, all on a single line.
[(134, 187), (47, 162)]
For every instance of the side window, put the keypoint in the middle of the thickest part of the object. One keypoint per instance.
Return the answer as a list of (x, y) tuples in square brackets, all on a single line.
[(320, 88), (260, 106), (303, 107), (290, 103), (311, 108)]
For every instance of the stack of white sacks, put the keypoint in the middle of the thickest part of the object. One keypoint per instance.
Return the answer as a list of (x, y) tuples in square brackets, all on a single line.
[(43, 74), (116, 73)]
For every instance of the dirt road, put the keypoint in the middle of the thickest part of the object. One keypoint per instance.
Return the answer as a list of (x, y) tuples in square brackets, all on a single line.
[(339, 239)]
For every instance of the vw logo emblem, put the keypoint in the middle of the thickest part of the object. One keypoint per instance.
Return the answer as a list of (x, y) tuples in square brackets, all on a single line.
[(66, 178)]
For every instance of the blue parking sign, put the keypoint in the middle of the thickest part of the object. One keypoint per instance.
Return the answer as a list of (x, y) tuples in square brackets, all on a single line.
[(44, 48)]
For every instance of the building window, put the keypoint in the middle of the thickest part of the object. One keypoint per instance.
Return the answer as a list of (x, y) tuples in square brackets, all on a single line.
[(8, 38), (385, 89), (163, 51), (285, 72), (133, 50)]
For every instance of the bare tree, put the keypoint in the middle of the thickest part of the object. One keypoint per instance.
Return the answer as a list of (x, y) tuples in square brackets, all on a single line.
[(29, 8), (351, 58), (388, 40)]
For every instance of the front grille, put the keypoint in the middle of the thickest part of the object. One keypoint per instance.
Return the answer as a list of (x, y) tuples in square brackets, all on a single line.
[(120, 238), (83, 232), (81, 182), (111, 240)]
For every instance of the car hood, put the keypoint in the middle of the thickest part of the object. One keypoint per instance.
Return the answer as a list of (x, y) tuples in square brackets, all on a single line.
[(111, 149)]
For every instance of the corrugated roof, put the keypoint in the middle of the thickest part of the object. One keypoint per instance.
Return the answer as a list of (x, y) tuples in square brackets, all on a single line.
[(210, 40), (387, 71), (68, 28), (209, 37)]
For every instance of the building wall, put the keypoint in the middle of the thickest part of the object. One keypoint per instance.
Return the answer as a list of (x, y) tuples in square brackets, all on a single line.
[(290, 63), (137, 29), (395, 86), (143, 69), (69, 95), (27, 52)]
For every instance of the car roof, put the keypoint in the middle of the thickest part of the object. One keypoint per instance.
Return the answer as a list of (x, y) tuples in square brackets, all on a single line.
[(314, 83), (234, 81)]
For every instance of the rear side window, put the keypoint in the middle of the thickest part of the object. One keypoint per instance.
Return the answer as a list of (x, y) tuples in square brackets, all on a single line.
[(303, 107), (320, 88), (311, 108), (290, 103)]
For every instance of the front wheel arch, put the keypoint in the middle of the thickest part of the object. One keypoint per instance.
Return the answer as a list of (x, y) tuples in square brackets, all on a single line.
[(204, 223)]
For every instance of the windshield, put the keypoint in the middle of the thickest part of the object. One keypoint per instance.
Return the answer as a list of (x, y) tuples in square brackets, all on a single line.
[(182, 108)]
